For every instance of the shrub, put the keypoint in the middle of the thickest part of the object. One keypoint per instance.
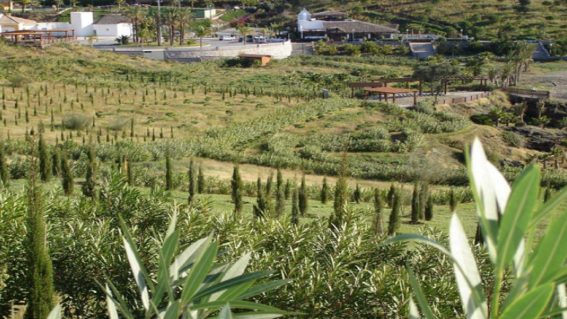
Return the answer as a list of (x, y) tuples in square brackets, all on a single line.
[(508, 218), (513, 139), (118, 123), (75, 121)]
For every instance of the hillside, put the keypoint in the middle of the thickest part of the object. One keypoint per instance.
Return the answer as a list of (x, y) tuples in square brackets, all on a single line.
[(481, 19), (208, 188), (266, 116)]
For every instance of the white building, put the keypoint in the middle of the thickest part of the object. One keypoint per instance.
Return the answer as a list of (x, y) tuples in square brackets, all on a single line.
[(109, 26), (82, 23), (337, 26), (113, 25), (10, 23)]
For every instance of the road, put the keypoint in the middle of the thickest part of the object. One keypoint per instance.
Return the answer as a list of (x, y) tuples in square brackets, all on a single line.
[(108, 43)]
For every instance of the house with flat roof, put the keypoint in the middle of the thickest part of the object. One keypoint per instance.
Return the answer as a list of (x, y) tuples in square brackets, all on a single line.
[(336, 26), (113, 25), (82, 24)]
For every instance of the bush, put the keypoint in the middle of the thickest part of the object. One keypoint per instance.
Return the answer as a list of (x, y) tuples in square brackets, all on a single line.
[(513, 139), (351, 49), (75, 121), (118, 124)]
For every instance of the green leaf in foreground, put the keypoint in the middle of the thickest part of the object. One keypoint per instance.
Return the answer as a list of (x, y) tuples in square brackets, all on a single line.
[(530, 305)]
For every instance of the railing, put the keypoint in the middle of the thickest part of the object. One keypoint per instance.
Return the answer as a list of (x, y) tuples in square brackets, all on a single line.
[(528, 92), (464, 99)]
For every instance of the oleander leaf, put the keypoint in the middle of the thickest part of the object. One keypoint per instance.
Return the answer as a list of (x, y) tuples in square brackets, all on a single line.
[(468, 277), (530, 305)]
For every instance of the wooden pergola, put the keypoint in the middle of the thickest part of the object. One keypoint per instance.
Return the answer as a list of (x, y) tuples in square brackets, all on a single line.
[(381, 83), (386, 92), (483, 80), (39, 38)]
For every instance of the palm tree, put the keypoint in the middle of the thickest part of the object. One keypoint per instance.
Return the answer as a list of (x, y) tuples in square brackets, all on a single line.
[(244, 31), (184, 20), (137, 16), (119, 3), (25, 4), (201, 30), (145, 29), (171, 20)]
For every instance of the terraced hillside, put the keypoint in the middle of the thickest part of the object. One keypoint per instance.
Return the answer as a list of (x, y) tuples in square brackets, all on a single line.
[(273, 116)]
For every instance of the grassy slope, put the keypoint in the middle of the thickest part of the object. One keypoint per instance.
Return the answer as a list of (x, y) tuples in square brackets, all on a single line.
[(118, 99), (544, 18), (171, 96)]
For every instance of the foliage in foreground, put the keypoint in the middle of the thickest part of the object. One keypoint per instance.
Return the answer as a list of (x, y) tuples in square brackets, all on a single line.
[(191, 284), (508, 220), (339, 272)]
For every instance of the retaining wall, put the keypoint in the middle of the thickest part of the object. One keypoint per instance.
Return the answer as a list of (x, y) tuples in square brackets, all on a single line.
[(277, 50)]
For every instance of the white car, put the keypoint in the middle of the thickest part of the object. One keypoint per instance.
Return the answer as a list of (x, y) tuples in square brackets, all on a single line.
[(227, 37)]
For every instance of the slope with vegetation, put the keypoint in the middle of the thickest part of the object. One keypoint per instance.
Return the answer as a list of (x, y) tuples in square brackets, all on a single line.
[(101, 136)]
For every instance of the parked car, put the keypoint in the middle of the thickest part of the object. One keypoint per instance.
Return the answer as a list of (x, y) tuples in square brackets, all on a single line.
[(227, 37)]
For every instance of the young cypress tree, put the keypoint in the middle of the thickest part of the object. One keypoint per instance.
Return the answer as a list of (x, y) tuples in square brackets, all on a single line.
[(341, 197), (44, 167), (89, 185), (56, 162), (132, 128), (236, 187), (129, 173), (357, 194), (269, 182), (394, 222), (168, 173), (415, 205), (547, 194), (429, 208), (280, 196), (478, 239), (66, 176), (200, 181), (423, 199), (452, 200), (391, 194), (261, 207), (40, 299), (324, 191), (287, 189), (295, 208), (378, 224), (191, 175), (303, 198), (4, 174)]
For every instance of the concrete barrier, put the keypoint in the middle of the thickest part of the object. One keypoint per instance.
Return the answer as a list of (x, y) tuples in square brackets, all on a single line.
[(278, 51)]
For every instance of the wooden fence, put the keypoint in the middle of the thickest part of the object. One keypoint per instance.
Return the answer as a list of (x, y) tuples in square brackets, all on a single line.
[(464, 99)]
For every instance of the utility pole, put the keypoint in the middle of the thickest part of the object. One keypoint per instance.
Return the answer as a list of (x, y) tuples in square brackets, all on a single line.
[(159, 22)]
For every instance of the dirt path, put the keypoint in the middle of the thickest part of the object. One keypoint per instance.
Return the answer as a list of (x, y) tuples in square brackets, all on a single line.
[(250, 173), (556, 82)]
